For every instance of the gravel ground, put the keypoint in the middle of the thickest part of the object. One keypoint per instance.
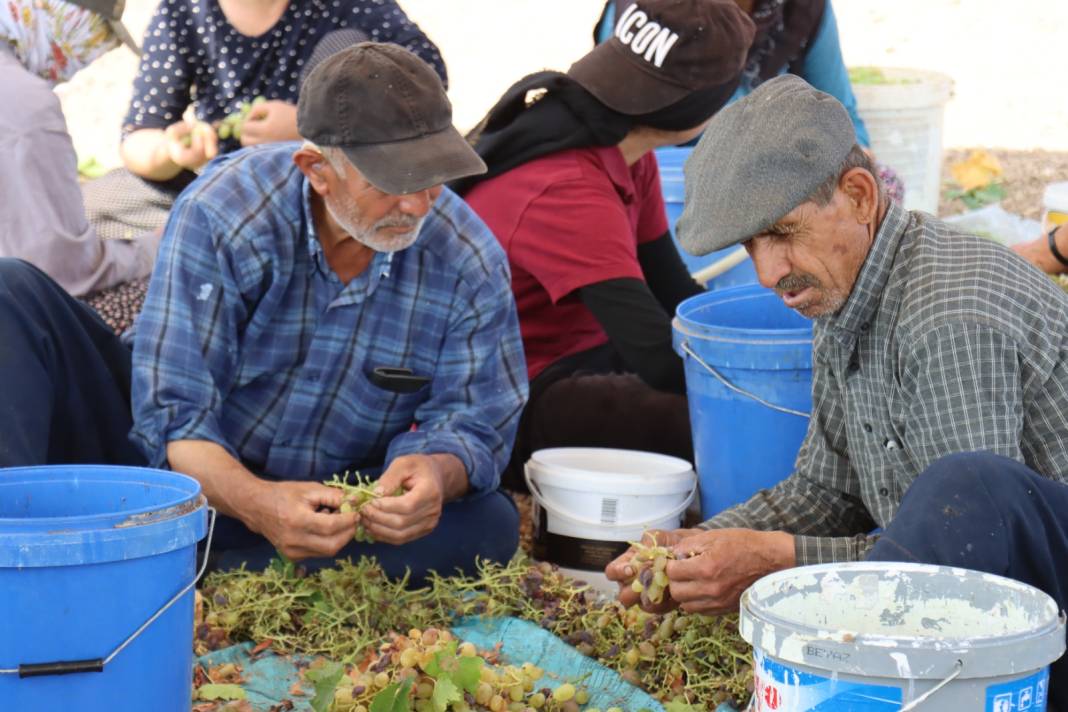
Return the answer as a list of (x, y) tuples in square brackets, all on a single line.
[(1025, 178)]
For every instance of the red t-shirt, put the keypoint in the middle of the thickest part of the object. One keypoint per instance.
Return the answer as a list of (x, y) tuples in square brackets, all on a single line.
[(569, 220)]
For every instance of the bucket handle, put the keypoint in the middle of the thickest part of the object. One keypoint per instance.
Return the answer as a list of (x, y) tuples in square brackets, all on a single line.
[(543, 503), (741, 391), (97, 664), (957, 670)]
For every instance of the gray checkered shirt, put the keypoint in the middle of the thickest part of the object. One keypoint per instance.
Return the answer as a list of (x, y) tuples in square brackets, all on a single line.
[(948, 343)]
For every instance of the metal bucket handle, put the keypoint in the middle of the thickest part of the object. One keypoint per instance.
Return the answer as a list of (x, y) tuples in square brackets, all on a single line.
[(958, 668), (543, 502), (97, 664), (740, 391)]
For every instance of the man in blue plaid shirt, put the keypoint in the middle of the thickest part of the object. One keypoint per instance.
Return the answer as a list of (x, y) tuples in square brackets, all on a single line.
[(316, 309)]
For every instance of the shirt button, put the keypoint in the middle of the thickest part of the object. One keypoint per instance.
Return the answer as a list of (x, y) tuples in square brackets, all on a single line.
[(884, 492), (867, 427), (854, 366), (865, 326)]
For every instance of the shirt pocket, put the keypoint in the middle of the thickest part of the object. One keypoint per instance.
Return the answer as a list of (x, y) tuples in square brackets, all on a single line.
[(367, 417)]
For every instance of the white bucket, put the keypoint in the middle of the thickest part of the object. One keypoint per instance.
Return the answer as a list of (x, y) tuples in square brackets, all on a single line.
[(896, 637), (904, 120), (589, 502)]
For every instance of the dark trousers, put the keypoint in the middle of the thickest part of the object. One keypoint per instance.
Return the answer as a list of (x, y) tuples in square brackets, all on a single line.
[(65, 399), (585, 402), (989, 513), (64, 377)]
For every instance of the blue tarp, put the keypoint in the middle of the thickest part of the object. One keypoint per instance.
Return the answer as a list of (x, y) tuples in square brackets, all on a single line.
[(269, 678)]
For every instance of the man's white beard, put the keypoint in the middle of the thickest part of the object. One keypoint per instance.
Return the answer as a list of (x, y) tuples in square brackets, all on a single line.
[(344, 211)]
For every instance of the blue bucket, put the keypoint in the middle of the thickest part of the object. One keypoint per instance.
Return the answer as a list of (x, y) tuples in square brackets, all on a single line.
[(97, 566), (671, 161), (749, 381)]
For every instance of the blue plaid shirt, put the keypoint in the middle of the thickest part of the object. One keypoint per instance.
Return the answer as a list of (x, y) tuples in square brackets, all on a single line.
[(249, 340)]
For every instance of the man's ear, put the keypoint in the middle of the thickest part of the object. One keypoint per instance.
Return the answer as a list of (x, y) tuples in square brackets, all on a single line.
[(315, 168), (862, 190)]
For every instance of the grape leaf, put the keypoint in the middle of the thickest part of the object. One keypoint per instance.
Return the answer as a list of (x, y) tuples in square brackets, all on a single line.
[(393, 698), (325, 680), (434, 668), (212, 691), (445, 693), (469, 673)]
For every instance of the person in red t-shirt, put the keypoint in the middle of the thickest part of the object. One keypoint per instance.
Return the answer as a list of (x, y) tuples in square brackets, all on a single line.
[(573, 195)]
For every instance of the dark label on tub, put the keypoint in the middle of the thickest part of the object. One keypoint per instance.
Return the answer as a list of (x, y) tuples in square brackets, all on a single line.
[(778, 687), (1028, 694), (573, 553)]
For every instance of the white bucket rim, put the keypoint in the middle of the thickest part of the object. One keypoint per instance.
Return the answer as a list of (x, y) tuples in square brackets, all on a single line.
[(929, 655), (557, 467)]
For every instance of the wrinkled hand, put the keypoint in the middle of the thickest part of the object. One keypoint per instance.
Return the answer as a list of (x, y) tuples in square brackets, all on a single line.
[(269, 121), (623, 572), (288, 515), (713, 568), (414, 514), (191, 145)]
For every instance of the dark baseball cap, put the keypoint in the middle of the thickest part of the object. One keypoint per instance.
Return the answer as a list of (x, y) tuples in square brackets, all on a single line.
[(388, 111), (111, 10), (664, 50)]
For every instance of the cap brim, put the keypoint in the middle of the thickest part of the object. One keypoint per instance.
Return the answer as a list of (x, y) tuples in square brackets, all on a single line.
[(412, 165), (123, 34), (622, 84)]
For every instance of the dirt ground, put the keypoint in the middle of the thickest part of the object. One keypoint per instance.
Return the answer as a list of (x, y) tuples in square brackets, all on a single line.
[(1008, 67)]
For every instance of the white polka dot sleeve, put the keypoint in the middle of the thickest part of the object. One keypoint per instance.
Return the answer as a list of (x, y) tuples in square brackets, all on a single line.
[(162, 87)]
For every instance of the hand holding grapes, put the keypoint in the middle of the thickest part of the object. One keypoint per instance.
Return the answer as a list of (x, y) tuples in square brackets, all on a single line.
[(712, 568), (625, 569), (425, 481)]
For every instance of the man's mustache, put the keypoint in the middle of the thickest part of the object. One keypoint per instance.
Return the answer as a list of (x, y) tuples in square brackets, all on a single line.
[(408, 221), (796, 282)]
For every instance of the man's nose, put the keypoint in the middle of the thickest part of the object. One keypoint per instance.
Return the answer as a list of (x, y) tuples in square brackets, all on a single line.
[(769, 260), (418, 204)]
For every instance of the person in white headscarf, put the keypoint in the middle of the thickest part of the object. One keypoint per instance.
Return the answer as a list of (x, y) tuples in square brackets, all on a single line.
[(43, 221)]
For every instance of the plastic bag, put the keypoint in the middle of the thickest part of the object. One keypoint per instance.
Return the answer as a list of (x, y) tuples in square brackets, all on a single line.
[(995, 223)]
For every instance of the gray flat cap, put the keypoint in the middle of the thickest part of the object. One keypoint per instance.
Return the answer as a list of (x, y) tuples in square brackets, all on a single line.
[(759, 159)]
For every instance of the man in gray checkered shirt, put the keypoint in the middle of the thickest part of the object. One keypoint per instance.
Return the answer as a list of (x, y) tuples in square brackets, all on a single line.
[(940, 368)]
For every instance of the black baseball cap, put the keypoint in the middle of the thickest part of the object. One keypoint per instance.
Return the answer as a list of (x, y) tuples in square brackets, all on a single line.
[(111, 10), (388, 111), (661, 51)]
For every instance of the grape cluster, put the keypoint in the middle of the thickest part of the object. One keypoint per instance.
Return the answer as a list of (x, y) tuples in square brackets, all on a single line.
[(688, 659), (431, 661), (232, 125), (355, 495), (652, 579)]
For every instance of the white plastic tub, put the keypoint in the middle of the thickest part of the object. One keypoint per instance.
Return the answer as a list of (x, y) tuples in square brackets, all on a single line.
[(590, 502), (904, 119)]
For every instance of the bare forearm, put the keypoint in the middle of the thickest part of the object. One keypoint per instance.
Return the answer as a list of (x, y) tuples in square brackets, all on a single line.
[(229, 486), (145, 152)]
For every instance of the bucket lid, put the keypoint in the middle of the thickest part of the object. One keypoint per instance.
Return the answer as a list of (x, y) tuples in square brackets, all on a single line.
[(906, 621), (611, 471), (1056, 197), (64, 515)]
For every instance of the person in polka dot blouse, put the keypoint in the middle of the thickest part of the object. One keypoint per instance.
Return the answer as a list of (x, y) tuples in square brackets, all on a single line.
[(215, 54)]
